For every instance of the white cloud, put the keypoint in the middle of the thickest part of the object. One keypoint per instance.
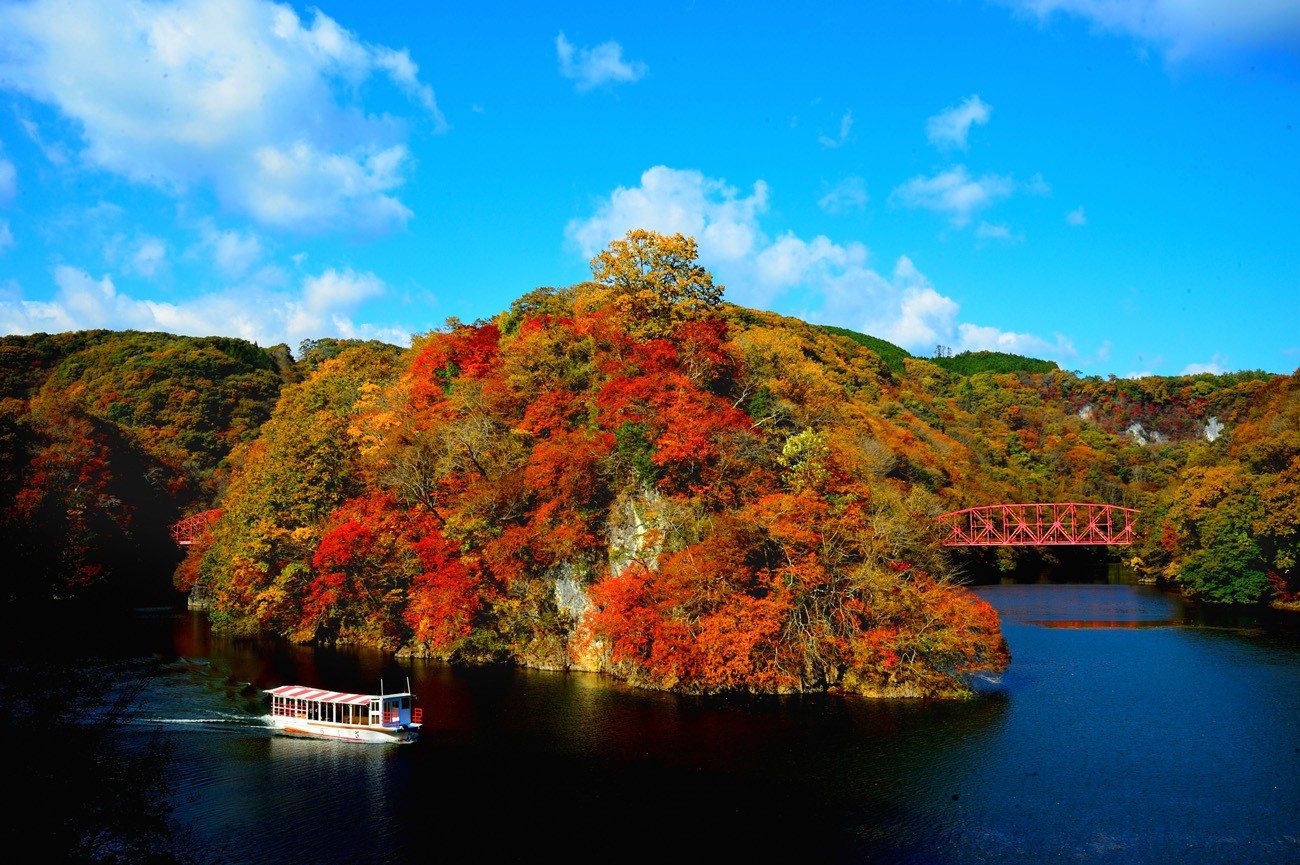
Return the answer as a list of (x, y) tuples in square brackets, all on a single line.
[(1183, 28), (976, 338), (53, 152), (989, 231), (668, 201), (334, 288), (925, 317), (592, 67), (1214, 367), (6, 236), (8, 181), (149, 257), (950, 127), (850, 193), (955, 192), (233, 252), (818, 280), (241, 96), (846, 126), (314, 189), (323, 305)]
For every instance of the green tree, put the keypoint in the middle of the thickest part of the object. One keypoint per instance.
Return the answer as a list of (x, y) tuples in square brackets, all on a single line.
[(1217, 552)]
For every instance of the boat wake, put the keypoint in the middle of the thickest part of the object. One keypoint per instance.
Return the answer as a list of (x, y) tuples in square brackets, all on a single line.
[(188, 695), (230, 721), (208, 724)]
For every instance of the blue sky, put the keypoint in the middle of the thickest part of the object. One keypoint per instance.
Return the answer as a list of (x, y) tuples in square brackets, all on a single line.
[(1111, 185)]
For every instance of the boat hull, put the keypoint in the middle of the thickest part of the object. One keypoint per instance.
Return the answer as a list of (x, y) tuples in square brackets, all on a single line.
[(344, 732)]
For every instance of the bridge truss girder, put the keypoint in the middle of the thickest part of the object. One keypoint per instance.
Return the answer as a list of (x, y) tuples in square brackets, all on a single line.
[(1041, 524), (192, 529)]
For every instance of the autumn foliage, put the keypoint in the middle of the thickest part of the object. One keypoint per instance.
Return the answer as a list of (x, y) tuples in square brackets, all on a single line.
[(613, 477), (627, 475), (108, 438)]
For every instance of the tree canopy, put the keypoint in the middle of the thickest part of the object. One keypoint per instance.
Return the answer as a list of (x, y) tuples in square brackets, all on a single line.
[(625, 475)]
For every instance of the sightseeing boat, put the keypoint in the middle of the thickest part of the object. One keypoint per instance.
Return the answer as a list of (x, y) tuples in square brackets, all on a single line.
[(297, 710)]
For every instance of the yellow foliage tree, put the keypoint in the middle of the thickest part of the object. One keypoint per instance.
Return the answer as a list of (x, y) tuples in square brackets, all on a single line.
[(654, 281)]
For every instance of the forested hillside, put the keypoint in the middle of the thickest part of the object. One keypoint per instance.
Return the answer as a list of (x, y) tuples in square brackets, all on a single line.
[(105, 440), (632, 475), (628, 475)]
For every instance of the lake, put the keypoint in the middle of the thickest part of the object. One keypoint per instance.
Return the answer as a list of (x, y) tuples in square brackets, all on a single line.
[(1130, 727)]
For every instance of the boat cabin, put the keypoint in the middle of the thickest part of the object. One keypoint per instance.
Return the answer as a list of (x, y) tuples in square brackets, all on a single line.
[(301, 710)]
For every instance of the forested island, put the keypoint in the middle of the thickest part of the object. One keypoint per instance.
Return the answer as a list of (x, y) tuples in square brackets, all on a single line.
[(629, 475)]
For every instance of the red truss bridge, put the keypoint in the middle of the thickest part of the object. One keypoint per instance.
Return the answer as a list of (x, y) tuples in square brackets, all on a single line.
[(192, 529), (1036, 525)]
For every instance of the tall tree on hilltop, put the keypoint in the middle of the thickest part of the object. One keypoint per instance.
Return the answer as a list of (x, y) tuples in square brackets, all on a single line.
[(654, 281)]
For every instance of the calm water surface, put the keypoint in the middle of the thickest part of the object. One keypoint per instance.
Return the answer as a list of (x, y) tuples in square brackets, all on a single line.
[(1129, 728)]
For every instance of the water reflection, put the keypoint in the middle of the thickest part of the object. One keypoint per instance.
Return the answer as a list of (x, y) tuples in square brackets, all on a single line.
[(1131, 727), (1085, 605)]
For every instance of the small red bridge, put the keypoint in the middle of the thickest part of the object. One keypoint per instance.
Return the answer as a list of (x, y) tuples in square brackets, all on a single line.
[(1036, 525), (192, 529)]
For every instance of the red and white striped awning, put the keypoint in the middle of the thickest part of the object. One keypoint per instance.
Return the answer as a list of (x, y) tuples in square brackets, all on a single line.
[(316, 694)]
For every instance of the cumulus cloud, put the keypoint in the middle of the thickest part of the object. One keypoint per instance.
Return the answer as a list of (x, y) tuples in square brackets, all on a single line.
[(589, 68), (1077, 216), (1181, 28), (954, 192), (240, 96), (846, 126), (817, 279), (849, 193), (6, 236), (950, 127), (924, 317), (322, 305), (669, 200), (977, 338)]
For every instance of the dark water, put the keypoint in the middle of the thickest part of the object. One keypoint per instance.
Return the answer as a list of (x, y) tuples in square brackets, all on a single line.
[(1129, 729)]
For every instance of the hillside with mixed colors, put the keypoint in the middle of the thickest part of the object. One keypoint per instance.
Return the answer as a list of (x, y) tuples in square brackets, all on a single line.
[(628, 475)]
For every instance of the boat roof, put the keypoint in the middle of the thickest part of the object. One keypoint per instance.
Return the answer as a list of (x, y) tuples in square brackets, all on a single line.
[(321, 696)]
